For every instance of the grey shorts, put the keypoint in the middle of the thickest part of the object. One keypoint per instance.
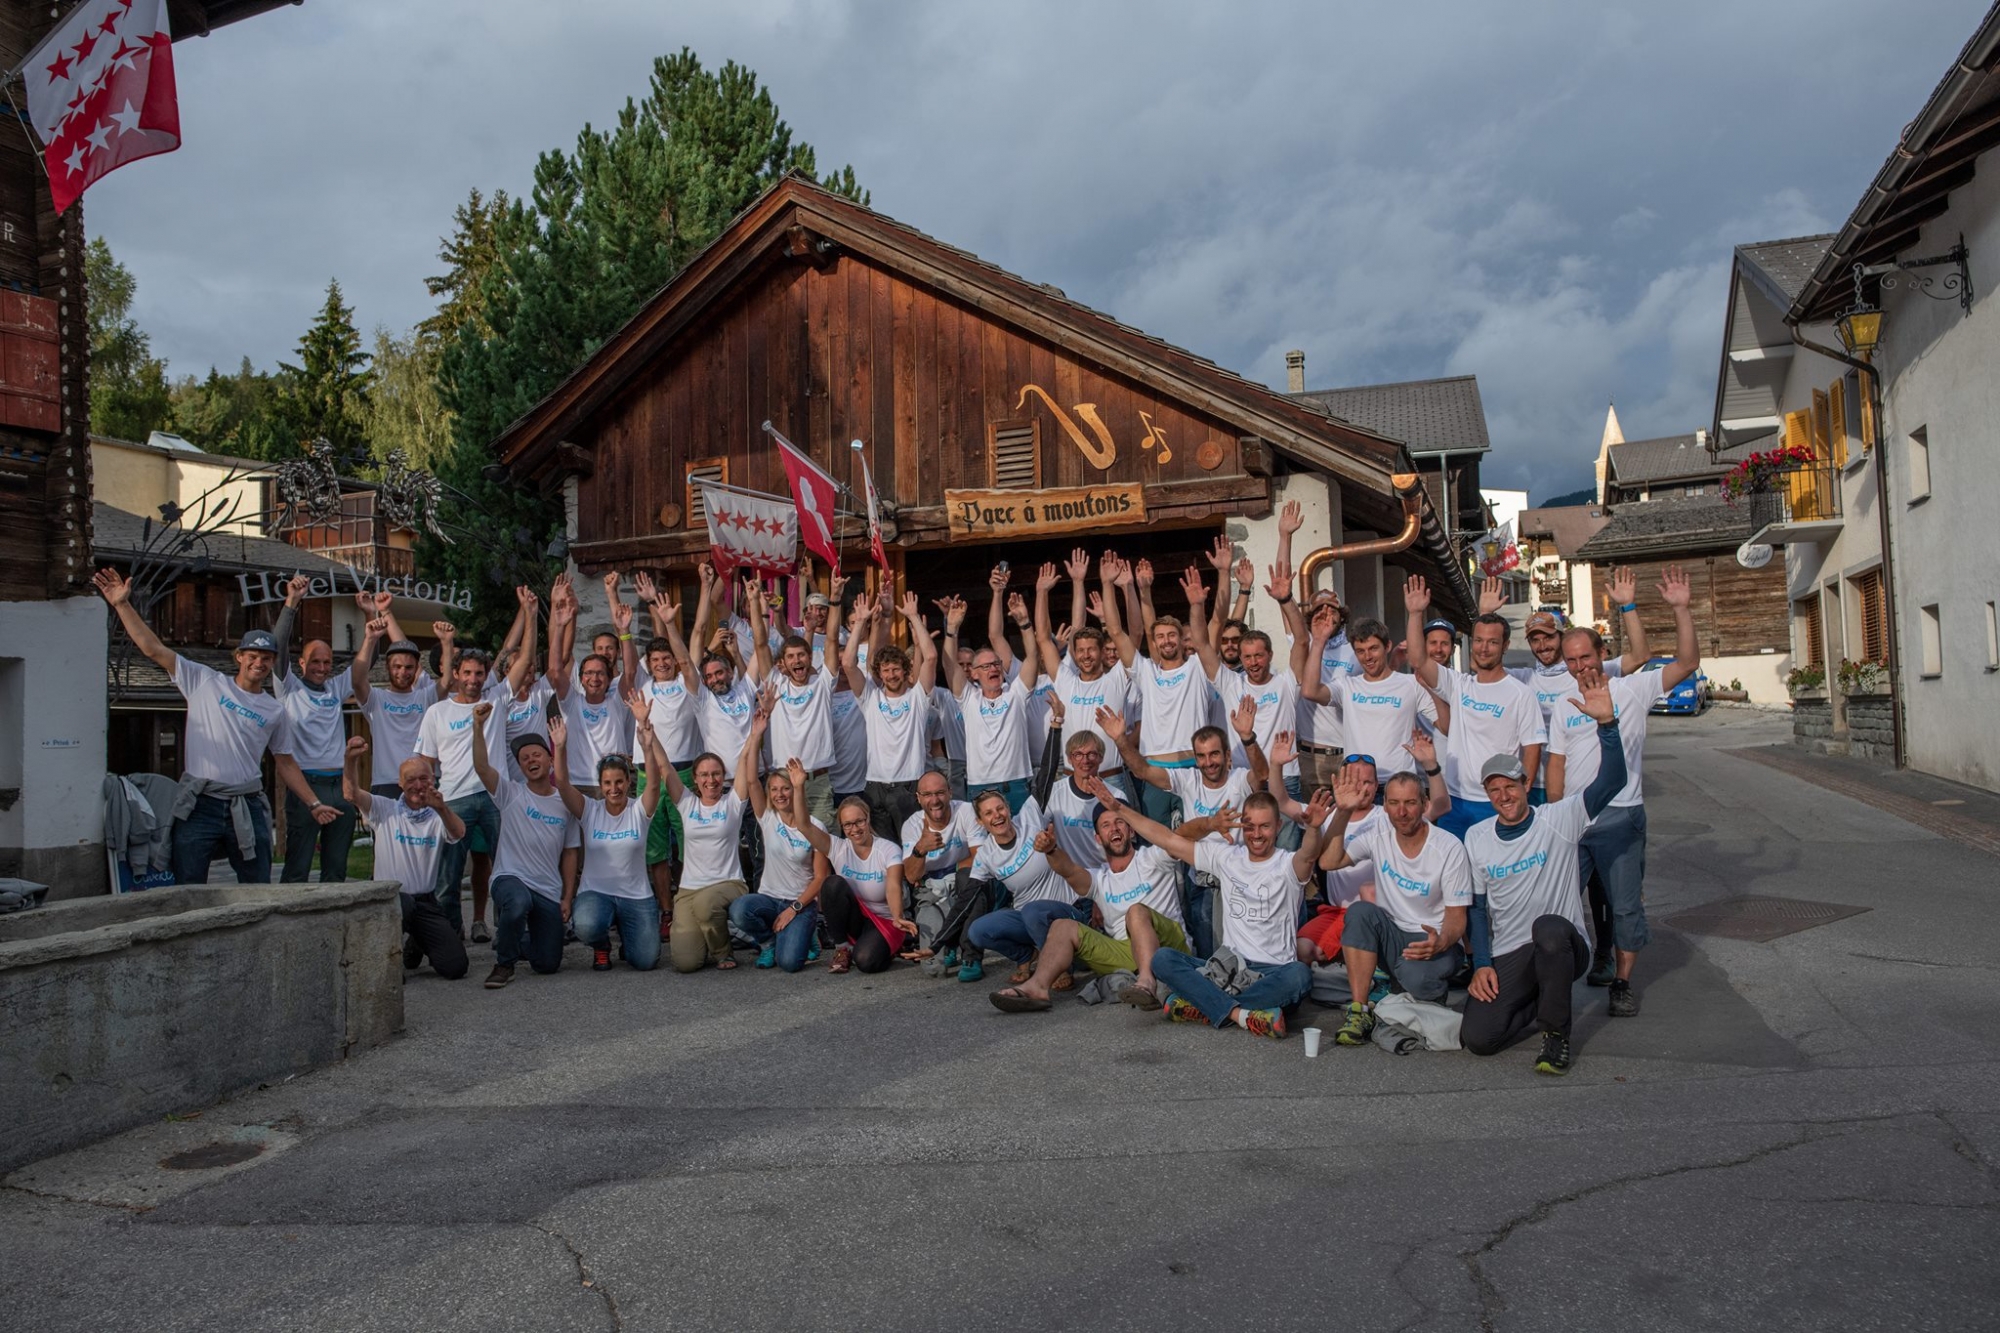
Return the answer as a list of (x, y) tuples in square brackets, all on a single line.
[(1369, 927)]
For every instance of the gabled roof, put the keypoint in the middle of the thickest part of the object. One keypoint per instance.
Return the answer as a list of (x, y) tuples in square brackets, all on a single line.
[(1570, 526), (1660, 527), (115, 532), (1670, 457), (1430, 416), (1783, 268)]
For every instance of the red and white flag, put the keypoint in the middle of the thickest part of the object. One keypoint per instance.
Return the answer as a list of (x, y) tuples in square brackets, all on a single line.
[(874, 517), (750, 529), (817, 496), (101, 92)]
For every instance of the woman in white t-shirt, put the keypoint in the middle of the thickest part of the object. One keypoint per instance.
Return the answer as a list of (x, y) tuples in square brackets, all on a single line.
[(612, 827), (711, 865), (783, 914), (863, 898)]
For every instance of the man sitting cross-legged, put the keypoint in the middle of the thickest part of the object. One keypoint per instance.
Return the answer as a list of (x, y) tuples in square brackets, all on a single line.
[(1262, 888)]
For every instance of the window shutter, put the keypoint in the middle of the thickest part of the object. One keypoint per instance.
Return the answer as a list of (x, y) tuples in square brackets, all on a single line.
[(1836, 421), (1798, 430), (1820, 447), (1874, 624), (1813, 628), (1016, 456), (702, 469)]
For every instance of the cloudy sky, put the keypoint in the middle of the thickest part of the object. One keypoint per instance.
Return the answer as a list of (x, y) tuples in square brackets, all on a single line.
[(1541, 194)]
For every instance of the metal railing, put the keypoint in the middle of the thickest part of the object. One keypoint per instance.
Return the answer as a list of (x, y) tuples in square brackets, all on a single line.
[(1809, 493)]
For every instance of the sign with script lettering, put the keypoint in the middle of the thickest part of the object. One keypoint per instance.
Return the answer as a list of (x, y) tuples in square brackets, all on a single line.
[(1027, 514)]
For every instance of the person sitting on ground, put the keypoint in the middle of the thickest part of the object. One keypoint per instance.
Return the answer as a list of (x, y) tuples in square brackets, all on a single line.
[(1423, 889), (613, 885), (782, 916), (1009, 865), (938, 842), (1262, 888), (411, 833), (863, 901), (535, 863), (712, 871), (1530, 935)]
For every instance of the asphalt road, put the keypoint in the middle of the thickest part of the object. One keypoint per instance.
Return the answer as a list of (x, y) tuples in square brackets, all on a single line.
[(1799, 1135)]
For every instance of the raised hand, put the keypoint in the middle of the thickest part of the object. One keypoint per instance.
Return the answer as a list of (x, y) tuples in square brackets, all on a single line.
[(444, 629), (997, 579), (1283, 749), (767, 704), (1078, 564), (1094, 607), (1046, 577), (1321, 628), (1244, 719), (795, 769), (1064, 633), (953, 610), (641, 706), (356, 747), (481, 711), (1017, 607), (706, 572), (1423, 749), (862, 613), (1674, 588), (913, 610), (1596, 702), (1122, 573), (558, 737), (1111, 722), (1191, 584), (643, 587), (112, 586), (378, 629), (1416, 594), (1055, 710), (1045, 841), (1222, 555), (1492, 596), (1350, 791), (1624, 586), (1143, 573), (382, 600), (1227, 820), (296, 588), (1279, 584), (621, 617), (1320, 806), (611, 581), (1095, 786), (1246, 574), (1291, 518)]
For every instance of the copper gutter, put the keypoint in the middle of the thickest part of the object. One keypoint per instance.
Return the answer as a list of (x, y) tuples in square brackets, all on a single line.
[(1410, 491)]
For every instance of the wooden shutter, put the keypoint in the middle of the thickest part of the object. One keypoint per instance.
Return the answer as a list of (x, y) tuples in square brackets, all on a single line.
[(1799, 430), (702, 469), (1836, 422), (1874, 620), (1812, 628), (214, 617), (1015, 456)]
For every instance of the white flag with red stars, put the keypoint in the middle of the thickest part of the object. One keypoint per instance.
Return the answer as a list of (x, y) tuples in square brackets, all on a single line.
[(101, 92), (750, 529)]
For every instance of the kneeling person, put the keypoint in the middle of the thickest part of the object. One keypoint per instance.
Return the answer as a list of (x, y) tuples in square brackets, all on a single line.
[(411, 833), (536, 860)]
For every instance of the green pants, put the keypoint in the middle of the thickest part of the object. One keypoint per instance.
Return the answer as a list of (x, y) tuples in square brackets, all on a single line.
[(1104, 955), (663, 835)]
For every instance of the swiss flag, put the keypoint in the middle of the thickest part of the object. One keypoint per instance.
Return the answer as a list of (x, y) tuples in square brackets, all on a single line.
[(817, 496), (101, 92)]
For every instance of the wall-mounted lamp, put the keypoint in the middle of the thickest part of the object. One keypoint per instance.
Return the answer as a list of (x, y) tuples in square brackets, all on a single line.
[(1860, 325)]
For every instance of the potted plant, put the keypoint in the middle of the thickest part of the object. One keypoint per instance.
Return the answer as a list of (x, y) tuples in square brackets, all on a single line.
[(1760, 472), (1863, 677), (1806, 682)]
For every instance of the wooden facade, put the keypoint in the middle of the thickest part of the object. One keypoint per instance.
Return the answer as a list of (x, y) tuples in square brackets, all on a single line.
[(834, 323), (1738, 612)]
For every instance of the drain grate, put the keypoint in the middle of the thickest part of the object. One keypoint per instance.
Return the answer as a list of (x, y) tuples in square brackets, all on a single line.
[(211, 1155), (1759, 919)]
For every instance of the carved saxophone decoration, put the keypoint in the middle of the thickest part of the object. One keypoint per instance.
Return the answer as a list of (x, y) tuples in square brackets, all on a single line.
[(1101, 452)]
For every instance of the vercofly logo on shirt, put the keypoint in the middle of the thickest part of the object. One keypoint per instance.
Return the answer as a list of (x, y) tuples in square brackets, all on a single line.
[(1387, 700), (893, 709), (1415, 887), (415, 840), (543, 817), (394, 709), (1520, 867), (616, 834), (995, 707), (229, 705), (1472, 705)]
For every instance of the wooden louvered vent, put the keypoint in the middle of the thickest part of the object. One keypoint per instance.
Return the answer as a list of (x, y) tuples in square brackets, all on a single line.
[(1812, 628), (1874, 619), (702, 469), (1016, 456)]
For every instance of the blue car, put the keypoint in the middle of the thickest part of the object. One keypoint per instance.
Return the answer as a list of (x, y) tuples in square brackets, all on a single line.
[(1690, 697)]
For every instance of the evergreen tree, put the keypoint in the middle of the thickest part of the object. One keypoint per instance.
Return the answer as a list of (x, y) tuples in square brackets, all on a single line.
[(238, 415), (404, 409), (129, 398), (325, 395)]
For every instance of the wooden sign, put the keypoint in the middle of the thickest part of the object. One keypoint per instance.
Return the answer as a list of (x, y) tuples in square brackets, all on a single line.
[(1027, 514)]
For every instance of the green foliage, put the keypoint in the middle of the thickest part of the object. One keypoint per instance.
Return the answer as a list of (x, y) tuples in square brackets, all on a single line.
[(238, 415), (129, 397), (325, 395), (404, 409)]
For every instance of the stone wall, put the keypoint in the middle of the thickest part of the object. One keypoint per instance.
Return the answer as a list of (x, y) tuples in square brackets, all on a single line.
[(1871, 726), (1812, 720), (120, 1009)]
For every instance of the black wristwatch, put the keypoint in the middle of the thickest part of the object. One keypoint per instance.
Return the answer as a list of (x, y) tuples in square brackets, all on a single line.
[(1434, 771)]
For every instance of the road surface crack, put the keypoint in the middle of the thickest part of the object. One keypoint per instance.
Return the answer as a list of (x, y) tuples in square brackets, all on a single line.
[(584, 1277)]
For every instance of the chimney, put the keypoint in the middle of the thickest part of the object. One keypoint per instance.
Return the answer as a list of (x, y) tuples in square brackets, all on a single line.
[(1295, 371)]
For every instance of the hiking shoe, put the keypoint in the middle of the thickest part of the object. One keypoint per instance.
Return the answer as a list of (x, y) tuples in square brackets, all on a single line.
[(972, 969), (501, 974), (1358, 1027), (1554, 1058), (481, 935), (1624, 1004), (600, 960), (413, 954), (1265, 1023), (1178, 1010), (1603, 970), (767, 956), (812, 952)]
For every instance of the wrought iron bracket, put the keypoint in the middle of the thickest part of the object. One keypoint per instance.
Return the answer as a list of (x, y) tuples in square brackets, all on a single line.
[(1900, 273)]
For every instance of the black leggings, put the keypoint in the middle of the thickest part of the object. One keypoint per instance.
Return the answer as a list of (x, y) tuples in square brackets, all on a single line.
[(1535, 982), (1600, 915), (425, 922), (847, 924)]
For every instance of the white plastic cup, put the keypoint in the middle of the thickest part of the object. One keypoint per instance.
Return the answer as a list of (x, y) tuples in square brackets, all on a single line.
[(1312, 1043)]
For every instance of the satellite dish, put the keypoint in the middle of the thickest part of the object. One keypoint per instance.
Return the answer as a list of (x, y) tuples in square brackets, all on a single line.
[(1753, 555)]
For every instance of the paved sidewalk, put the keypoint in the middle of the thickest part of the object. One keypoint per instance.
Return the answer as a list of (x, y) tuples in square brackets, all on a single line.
[(1968, 815)]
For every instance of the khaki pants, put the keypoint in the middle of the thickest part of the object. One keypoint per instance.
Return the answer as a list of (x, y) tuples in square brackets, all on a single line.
[(701, 924)]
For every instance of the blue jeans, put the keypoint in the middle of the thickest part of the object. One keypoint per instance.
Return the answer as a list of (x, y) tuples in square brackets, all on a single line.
[(479, 813), (1280, 987), (1198, 911), (754, 915), (208, 830), (1159, 806), (1615, 847), (1019, 932), (638, 925), (1458, 820), (525, 924), (1015, 790)]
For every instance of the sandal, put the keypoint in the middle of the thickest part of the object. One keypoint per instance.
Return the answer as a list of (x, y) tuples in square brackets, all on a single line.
[(1022, 973), (1011, 1001), (725, 963), (1063, 981), (843, 958)]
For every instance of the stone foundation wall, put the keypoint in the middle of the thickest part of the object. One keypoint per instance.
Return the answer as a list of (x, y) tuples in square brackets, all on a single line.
[(1812, 719), (1871, 726)]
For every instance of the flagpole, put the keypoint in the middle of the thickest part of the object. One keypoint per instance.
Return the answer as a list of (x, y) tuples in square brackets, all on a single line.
[(55, 27)]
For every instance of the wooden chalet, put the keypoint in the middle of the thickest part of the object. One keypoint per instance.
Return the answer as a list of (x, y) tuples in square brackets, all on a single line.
[(1001, 419)]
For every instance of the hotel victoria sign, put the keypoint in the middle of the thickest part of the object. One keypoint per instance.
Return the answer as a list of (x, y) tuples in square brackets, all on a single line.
[(269, 586)]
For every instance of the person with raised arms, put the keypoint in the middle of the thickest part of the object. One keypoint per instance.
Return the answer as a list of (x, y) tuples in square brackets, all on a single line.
[(395, 712), (445, 736), (1173, 687), (1090, 677), (536, 862), (1321, 732), (1530, 938), (728, 700), (313, 698), (782, 916), (524, 692), (864, 903), (1262, 889), (894, 697), (612, 829), (1381, 708), (995, 708), (598, 725), (411, 833), (674, 693), (712, 875), (1272, 697), (801, 724), (231, 722)]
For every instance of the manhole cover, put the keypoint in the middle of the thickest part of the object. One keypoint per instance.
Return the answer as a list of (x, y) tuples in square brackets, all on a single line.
[(211, 1155), (1759, 919)]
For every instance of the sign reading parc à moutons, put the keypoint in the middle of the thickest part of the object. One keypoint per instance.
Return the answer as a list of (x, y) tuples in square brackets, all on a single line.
[(269, 586)]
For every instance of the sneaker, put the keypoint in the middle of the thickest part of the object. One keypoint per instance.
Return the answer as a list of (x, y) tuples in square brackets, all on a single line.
[(1265, 1023), (413, 954), (1356, 1030), (1554, 1058), (843, 959), (972, 969), (1178, 1010), (1624, 1004), (812, 952), (767, 956), (481, 935), (1603, 970), (501, 974), (600, 960)]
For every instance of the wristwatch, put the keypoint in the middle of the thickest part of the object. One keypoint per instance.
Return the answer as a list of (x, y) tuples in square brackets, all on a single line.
[(1435, 771)]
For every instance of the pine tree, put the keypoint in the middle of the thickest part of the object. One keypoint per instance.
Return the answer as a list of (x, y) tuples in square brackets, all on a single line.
[(325, 395), (237, 415), (129, 398)]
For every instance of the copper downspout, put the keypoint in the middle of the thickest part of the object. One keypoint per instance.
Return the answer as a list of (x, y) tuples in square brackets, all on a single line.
[(1410, 491)]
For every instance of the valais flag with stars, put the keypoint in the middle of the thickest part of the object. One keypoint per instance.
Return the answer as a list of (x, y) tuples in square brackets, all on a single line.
[(101, 92)]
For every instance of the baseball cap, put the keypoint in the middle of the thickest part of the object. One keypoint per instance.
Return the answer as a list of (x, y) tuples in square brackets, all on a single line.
[(257, 641), (402, 646), (1442, 624), (818, 599), (1503, 766), (1544, 622), (520, 743)]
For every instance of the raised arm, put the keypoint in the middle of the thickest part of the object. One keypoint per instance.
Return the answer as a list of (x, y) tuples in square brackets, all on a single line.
[(1166, 839), (1317, 810), (1243, 721), (628, 643), (1204, 645), (704, 605), (562, 625), (641, 705), (482, 763), (1350, 798), (117, 593), (296, 589), (1069, 871), (364, 660), (1283, 750), (1125, 736), (996, 620), (1078, 569), (798, 818), (1110, 569), (354, 779), (953, 611), (1223, 556), (1142, 583), (447, 637), (530, 621), (518, 628), (1596, 705), (1424, 751), (1416, 601), (858, 625), (753, 748), (572, 799), (922, 649), (1625, 597), (1052, 755), (1291, 517), (1046, 651), (1676, 593), (760, 630)]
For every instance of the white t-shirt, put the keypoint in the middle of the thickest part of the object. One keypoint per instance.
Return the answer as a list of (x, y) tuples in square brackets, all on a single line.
[(1260, 901), (525, 717), (897, 742), (1081, 700), (788, 857), (1173, 704), (1151, 877), (1020, 867), (947, 723), (1487, 718), (1380, 716), (1415, 890), (676, 719), (393, 722), (1344, 885), (408, 843), (868, 875), (960, 836), (614, 850), (446, 736), (1632, 698), (319, 737), (228, 729), (534, 830), (1321, 724), (1531, 876), (711, 831), (1038, 711), (997, 741), (725, 721), (1199, 800), (802, 720), (1277, 702), (596, 730), (1076, 833), (850, 743)]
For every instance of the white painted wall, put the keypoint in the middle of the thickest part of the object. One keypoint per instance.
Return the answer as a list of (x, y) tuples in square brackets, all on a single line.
[(52, 734), (1319, 498)]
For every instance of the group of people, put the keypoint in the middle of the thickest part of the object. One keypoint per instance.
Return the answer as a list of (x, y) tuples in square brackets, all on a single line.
[(1166, 805)]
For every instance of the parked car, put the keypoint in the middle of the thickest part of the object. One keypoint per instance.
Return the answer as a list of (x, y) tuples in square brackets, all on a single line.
[(1690, 697)]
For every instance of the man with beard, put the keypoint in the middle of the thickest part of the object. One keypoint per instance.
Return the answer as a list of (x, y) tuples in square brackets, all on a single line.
[(445, 736), (536, 862), (394, 711), (1321, 732), (801, 725), (599, 724), (894, 701), (1174, 690), (313, 698), (1380, 708), (1090, 677)]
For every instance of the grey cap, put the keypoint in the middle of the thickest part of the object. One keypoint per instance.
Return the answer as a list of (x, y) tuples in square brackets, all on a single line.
[(1503, 766), (257, 641), (402, 646)]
